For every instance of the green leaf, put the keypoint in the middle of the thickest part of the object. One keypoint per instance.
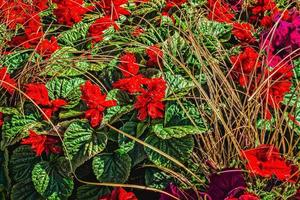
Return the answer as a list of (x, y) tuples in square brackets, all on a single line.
[(50, 181), (25, 191), (63, 62), (112, 167), (157, 179), (176, 131), (125, 143), (122, 108), (177, 115), (10, 111), (68, 89), (177, 84), (22, 162), (14, 60), (75, 35), (82, 143), (91, 192), (214, 33), (17, 128), (176, 148)]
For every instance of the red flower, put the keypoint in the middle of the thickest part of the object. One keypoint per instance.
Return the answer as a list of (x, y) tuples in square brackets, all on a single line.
[(95, 100), (119, 194), (155, 55), (97, 29), (33, 32), (39, 94), (243, 32), (219, 11), (1, 119), (128, 65), (278, 83), (173, 3), (15, 12), (266, 161), (245, 196), (131, 84), (137, 31), (149, 102), (47, 47), (69, 12), (6, 81), (244, 65), (258, 10), (42, 143), (114, 8)]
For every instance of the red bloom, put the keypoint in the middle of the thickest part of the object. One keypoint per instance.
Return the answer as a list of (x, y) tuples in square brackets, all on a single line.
[(119, 194), (219, 11), (155, 55), (245, 196), (42, 143), (266, 161), (243, 32), (277, 85), (244, 65), (114, 8), (6, 81), (128, 65), (97, 29), (69, 12), (95, 100), (173, 3), (32, 33), (258, 10), (47, 47), (39, 94), (137, 31), (18, 12), (1, 119), (131, 84), (149, 103)]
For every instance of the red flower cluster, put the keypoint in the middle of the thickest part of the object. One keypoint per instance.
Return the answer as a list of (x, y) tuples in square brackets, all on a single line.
[(219, 11), (278, 84), (266, 161), (258, 10), (69, 12), (137, 31), (245, 64), (152, 91), (1, 119), (47, 47), (119, 194), (113, 8), (128, 65), (95, 100), (245, 196), (155, 55), (18, 12), (173, 3), (243, 32), (97, 29), (6, 81), (133, 81), (42, 143), (149, 102), (28, 15), (39, 94), (32, 34)]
